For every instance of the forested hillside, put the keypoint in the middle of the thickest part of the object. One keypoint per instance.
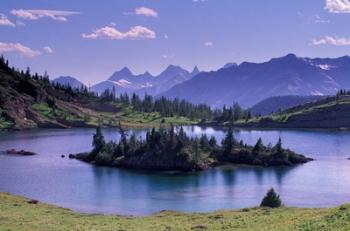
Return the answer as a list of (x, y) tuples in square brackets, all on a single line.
[(30, 100)]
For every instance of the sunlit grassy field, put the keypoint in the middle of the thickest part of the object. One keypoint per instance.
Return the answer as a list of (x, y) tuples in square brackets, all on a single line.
[(16, 213), (126, 117)]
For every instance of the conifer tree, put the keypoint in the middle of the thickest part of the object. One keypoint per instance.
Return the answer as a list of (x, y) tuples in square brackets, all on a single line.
[(271, 199), (98, 141), (259, 146), (212, 141), (229, 141), (278, 147), (204, 142)]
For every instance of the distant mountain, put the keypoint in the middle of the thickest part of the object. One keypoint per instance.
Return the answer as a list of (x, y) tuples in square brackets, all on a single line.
[(170, 77), (124, 81), (249, 83), (227, 65), (68, 80), (276, 103)]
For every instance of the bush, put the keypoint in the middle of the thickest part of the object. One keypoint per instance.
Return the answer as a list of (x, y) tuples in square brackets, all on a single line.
[(271, 199)]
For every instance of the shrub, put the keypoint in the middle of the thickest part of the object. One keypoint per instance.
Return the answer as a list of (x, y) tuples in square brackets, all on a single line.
[(271, 199)]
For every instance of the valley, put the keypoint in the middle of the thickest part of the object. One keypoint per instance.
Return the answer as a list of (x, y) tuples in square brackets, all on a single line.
[(194, 115)]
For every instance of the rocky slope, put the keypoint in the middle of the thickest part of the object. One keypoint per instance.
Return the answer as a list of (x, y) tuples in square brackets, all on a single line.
[(29, 103)]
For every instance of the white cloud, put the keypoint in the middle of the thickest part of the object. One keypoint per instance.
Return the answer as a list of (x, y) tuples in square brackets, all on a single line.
[(168, 56), (4, 21), (37, 14), (338, 6), (146, 12), (20, 23), (166, 36), (48, 50), (331, 40), (109, 32), (18, 48), (208, 44), (318, 19)]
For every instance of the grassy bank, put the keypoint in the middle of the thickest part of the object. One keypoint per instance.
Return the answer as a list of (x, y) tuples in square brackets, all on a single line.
[(17, 214), (75, 115)]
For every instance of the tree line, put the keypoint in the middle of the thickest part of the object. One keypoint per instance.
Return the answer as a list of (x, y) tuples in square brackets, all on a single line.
[(177, 107)]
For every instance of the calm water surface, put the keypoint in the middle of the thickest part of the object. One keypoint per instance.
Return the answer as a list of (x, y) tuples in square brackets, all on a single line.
[(82, 187)]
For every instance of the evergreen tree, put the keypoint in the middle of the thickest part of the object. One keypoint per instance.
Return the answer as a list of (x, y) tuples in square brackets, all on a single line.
[(212, 141), (204, 142), (183, 139), (132, 144), (98, 141), (271, 199), (123, 140), (196, 151), (172, 137), (237, 112), (278, 147), (259, 146), (229, 141)]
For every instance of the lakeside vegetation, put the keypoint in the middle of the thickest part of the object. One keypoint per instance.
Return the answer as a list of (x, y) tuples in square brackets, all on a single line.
[(18, 213), (173, 149)]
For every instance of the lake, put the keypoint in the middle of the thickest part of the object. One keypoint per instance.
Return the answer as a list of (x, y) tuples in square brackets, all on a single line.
[(85, 188)]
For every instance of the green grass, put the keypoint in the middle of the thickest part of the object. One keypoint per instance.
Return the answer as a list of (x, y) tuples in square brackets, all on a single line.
[(127, 117), (17, 214), (50, 113), (4, 121), (43, 109)]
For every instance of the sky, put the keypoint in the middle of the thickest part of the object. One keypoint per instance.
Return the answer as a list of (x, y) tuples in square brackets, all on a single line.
[(91, 39)]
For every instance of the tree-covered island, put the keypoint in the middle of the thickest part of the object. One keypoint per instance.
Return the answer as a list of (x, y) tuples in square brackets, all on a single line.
[(172, 149)]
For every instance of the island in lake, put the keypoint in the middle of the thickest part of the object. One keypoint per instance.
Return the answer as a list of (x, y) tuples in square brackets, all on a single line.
[(173, 149)]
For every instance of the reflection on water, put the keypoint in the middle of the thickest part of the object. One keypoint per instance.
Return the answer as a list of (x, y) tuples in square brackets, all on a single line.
[(82, 187)]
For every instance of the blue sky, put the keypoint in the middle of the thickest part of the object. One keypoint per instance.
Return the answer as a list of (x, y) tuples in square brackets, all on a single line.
[(92, 39)]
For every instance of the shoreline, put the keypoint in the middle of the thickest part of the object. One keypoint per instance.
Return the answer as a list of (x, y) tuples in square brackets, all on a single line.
[(82, 157), (235, 126), (166, 125), (82, 212), (21, 213)]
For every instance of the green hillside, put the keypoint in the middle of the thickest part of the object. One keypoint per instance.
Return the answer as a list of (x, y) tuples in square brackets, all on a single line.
[(332, 112)]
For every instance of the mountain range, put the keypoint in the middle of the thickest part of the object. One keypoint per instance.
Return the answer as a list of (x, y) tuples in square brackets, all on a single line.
[(124, 81), (247, 83)]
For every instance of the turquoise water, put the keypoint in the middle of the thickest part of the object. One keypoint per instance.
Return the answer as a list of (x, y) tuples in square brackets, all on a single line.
[(82, 187)]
